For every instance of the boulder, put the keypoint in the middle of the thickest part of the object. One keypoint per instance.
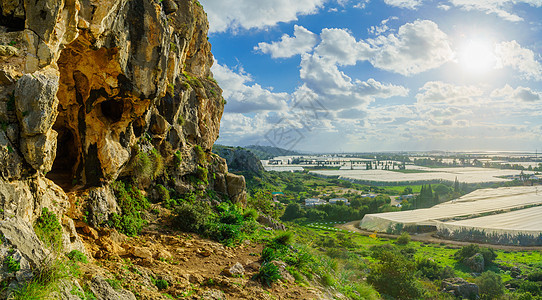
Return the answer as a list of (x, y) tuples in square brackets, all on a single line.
[(236, 188), (237, 270), (102, 203), (36, 102), (270, 222), (460, 288), (475, 263), (103, 290)]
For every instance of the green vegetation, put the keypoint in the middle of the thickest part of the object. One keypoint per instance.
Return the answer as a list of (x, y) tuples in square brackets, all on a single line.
[(11, 264), (468, 251), (132, 203), (491, 286), (48, 229), (47, 277), (415, 270), (268, 274), (77, 256), (225, 223), (193, 81)]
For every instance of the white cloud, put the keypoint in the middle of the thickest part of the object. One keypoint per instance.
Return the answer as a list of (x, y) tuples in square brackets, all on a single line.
[(417, 47), (382, 28), (303, 41), (511, 54), (520, 93), (336, 90), (410, 4), (247, 14), (440, 92), (244, 98), (361, 4), (339, 46), (498, 7)]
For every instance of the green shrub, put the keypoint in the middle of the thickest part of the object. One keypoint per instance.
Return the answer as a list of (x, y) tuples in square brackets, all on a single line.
[(535, 276), (47, 276), (403, 239), (327, 280), (201, 155), (285, 238), (268, 274), (77, 256), (394, 275), (11, 264), (142, 165), (429, 269), (163, 192), (132, 203), (491, 286), (202, 174), (250, 214), (178, 155), (268, 254), (468, 251), (48, 229), (161, 284), (193, 217)]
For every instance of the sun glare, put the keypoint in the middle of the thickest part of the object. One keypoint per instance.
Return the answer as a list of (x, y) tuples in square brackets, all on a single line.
[(476, 56)]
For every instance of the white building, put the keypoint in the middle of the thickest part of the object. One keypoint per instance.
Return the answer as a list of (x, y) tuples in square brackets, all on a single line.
[(314, 202), (336, 200)]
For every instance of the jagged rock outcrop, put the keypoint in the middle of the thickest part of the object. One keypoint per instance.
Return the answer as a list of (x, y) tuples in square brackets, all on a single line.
[(460, 288), (239, 159), (92, 91)]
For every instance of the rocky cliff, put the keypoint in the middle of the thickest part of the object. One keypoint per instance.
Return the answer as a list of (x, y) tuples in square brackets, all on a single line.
[(92, 91)]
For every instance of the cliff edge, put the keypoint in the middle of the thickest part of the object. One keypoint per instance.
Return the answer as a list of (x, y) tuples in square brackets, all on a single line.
[(98, 91)]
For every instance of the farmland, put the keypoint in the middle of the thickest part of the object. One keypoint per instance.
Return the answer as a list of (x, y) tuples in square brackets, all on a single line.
[(509, 210), (422, 174)]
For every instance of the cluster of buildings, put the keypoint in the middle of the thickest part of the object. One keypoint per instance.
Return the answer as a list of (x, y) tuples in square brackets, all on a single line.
[(309, 202)]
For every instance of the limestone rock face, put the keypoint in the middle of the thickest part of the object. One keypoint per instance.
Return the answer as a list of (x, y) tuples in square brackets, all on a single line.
[(36, 102), (93, 91), (40, 150), (236, 188)]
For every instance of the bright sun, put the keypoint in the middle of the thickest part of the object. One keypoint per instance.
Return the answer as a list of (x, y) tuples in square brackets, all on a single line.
[(476, 56)]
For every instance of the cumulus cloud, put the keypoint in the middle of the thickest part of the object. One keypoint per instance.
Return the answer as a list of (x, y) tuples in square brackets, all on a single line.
[(247, 14), (511, 54), (245, 98), (410, 4), (417, 47), (382, 28), (520, 93), (498, 7), (336, 90), (339, 46), (302, 41), (440, 92)]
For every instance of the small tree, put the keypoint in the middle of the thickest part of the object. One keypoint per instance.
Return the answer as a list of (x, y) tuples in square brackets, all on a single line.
[(491, 286), (394, 275), (403, 239)]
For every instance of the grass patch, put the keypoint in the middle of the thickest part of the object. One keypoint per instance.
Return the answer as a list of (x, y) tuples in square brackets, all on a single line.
[(48, 229)]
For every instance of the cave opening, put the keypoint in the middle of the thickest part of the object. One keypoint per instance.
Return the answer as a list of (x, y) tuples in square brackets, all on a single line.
[(112, 109), (63, 170)]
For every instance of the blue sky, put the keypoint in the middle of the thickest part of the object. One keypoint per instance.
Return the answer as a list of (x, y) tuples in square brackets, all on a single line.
[(391, 75)]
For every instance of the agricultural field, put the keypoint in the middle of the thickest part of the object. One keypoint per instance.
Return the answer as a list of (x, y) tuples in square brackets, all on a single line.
[(506, 210), (423, 174)]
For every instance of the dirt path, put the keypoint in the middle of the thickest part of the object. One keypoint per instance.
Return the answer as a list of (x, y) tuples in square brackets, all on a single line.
[(430, 238)]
